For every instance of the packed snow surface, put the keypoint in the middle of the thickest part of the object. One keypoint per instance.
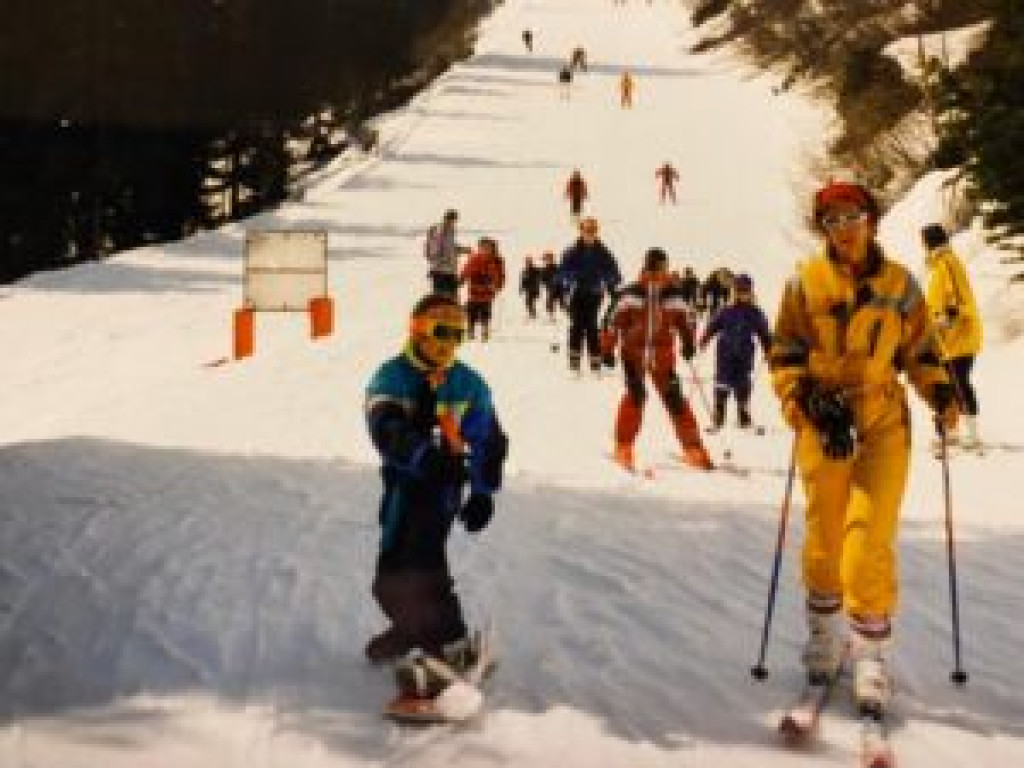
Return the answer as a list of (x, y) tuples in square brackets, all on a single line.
[(186, 549)]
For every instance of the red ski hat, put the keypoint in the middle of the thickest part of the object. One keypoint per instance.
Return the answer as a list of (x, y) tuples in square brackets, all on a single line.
[(844, 192)]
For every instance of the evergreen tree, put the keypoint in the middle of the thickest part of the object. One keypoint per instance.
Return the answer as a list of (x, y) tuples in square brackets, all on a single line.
[(110, 109), (983, 121)]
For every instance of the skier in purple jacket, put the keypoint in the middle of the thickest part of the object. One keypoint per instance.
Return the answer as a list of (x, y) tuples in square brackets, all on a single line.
[(736, 326)]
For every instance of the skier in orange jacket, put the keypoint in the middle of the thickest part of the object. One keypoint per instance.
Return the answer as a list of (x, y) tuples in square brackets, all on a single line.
[(648, 320), (484, 272)]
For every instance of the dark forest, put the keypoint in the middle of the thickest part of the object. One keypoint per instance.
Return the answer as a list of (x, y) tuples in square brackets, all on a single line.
[(124, 123)]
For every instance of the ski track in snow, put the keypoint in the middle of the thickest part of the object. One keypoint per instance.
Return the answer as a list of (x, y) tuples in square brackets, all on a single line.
[(186, 551)]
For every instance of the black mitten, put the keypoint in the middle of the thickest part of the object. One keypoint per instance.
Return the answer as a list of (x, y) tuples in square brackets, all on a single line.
[(943, 393), (832, 418), (608, 358), (495, 453), (944, 403), (686, 348), (441, 466), (477, 512)]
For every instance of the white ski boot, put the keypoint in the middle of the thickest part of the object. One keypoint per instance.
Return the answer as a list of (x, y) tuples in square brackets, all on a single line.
[(421, 676), (873, 683), (462, 655), (825, 646)]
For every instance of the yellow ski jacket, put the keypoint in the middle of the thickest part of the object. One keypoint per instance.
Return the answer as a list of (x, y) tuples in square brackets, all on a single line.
[(855, 334), (952, 305)]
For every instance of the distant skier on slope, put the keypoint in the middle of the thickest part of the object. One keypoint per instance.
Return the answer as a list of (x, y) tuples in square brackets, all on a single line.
[(553, 290), (442, 251), (737, 327), (850, 321), (564, 82), (528, 40), (529, 286), (689, 284), (627, 85), (667, 176), (649, 318), (576, 193), (715, 290), (484, 273), (578, 59), (433, 422)]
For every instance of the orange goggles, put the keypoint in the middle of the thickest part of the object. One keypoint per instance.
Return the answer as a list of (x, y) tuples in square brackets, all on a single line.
[(439, 330)]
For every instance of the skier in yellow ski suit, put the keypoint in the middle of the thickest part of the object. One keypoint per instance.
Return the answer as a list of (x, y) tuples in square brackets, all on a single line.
[(850, 321), (957, 321)]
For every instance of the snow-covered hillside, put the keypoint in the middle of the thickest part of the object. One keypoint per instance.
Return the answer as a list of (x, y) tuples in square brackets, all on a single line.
[(186, 550)]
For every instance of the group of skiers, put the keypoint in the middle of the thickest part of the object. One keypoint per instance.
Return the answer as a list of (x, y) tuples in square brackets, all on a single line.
[(851, 324), (577, 62), (537, 277), (483, 274)]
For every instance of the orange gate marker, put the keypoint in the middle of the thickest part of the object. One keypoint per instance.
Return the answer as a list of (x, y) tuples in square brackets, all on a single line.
[(243, 333)]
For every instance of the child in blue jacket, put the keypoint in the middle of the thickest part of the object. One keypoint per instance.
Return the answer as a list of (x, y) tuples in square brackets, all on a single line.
[(433, 422), (737, 326)]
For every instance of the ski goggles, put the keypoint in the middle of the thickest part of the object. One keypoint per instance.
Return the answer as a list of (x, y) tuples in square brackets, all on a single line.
[(439, 330), (836, 220)]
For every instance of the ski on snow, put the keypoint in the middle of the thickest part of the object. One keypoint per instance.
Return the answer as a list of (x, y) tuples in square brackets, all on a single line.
[(875, 750), (647, 473), (799, 724)]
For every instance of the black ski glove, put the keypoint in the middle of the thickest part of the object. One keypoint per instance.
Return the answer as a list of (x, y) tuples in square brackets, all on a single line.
[(608, 358), (442, 467), (686, 348), (477, 512), (495, 451), (832, 419), (944, 403)]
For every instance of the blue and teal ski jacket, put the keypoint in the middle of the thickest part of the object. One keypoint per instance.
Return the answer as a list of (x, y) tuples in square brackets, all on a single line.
[(404, 412)]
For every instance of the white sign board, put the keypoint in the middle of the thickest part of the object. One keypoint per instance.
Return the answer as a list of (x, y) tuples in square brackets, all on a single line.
[(284, 269)]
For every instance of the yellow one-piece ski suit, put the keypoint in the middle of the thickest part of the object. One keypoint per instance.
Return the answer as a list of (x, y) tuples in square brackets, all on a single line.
[(854, 334)]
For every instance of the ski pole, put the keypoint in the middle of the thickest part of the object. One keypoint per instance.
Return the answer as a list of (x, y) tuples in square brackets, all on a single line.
[(758, 670), (700, 390), (958, 676)]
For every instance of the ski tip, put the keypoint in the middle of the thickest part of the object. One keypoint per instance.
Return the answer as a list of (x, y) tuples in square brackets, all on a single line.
[(413, 710), (880, 761), (878, 756), (793, 733)]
